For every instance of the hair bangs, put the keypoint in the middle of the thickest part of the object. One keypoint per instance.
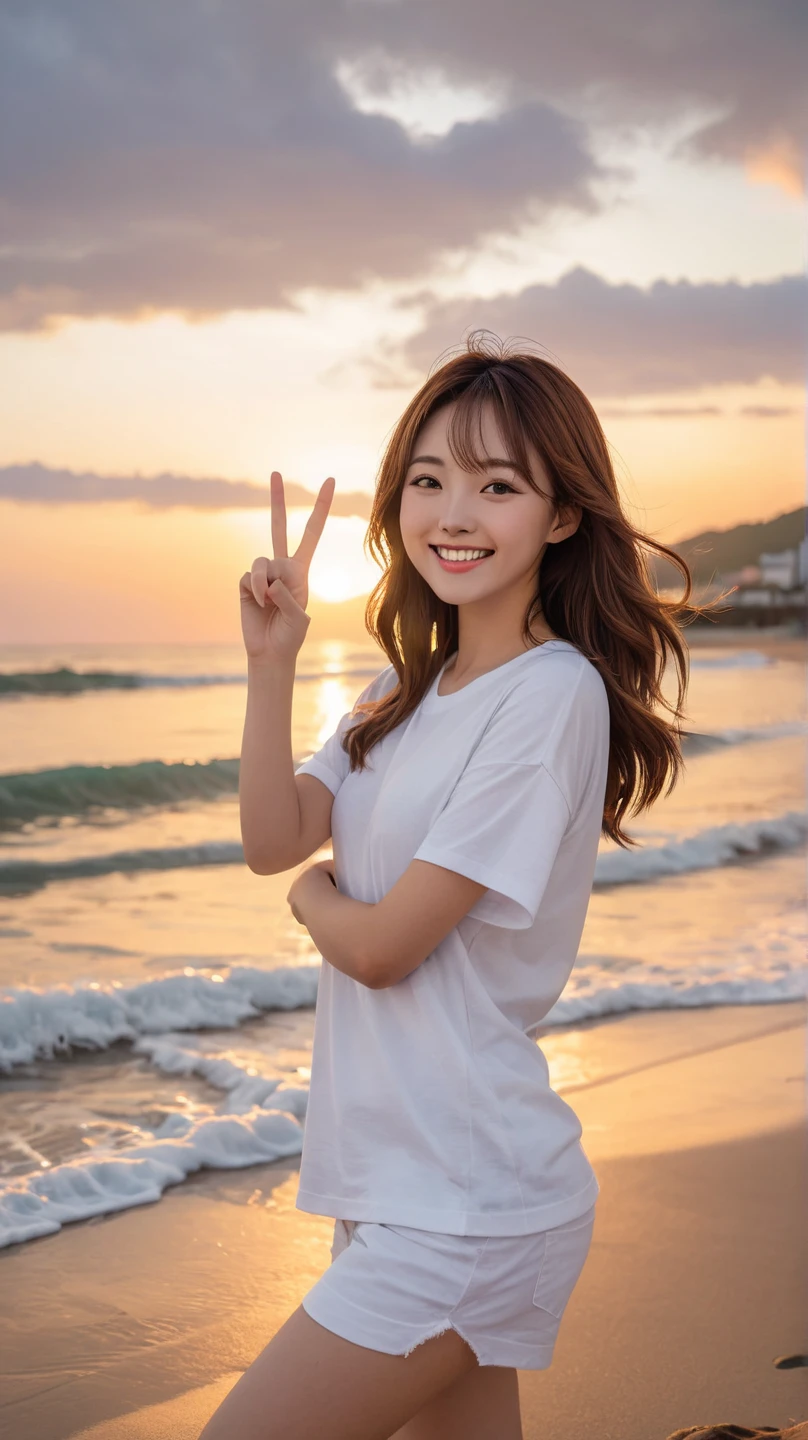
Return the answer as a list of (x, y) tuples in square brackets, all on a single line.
[(464, 431)]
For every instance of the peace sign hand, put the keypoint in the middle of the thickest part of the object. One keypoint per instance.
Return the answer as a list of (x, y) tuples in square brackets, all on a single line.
[(274, 593)]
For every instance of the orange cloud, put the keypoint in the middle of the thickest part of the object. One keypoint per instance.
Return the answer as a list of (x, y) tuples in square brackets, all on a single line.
[(779, 163)]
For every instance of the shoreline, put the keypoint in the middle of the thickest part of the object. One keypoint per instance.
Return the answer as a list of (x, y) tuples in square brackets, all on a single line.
[(781, 642), (137, 1323)]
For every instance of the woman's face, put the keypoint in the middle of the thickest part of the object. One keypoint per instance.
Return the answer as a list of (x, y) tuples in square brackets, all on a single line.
[(444, 508)]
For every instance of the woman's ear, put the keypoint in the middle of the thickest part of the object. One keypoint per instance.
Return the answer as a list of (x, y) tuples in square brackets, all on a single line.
[(567, 521)]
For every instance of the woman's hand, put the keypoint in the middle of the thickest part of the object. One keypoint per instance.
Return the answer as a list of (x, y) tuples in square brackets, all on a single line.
[(274, 593), (306, 883)]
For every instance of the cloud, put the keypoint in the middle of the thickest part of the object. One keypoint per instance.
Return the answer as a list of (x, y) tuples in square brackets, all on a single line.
[(740, 66), (769, 412), (204, 157), (621, 340), (38, 485)]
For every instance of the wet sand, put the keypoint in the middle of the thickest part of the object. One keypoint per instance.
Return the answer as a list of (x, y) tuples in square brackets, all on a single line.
[(133, 1326)]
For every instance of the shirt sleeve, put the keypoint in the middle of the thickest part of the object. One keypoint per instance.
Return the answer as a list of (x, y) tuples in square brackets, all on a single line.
[(502, 826), (507, 815), (330, 763)]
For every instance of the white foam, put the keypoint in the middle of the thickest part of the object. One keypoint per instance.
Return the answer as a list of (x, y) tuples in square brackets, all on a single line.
[(244, 1089), (706, 850), (37, 1024), (42, 1203), (40, 1024), (261, 1117), (579, 1002), (260, 1120)]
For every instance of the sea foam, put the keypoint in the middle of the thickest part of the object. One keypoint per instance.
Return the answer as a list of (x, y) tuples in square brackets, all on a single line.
[(42, 1024), (261, 1118)]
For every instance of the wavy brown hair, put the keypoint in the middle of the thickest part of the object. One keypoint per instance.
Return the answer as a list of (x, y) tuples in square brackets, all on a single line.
[(594, 588)]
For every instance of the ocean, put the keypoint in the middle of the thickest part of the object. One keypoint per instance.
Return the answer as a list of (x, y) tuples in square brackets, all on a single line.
[(156, 997)]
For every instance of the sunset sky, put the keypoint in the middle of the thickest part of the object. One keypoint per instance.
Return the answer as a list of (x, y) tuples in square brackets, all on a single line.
[(235, 238)]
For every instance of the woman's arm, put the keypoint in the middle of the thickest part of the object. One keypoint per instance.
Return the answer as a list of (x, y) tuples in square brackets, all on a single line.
[(268, 799), (380, 944), (273, 596)]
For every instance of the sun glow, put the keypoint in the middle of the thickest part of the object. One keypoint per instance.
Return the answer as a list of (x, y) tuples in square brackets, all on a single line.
[(777, 163), (339, 570)]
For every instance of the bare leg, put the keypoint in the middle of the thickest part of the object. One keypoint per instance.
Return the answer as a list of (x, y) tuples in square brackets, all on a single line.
[(308, 1383), (481, 1405)]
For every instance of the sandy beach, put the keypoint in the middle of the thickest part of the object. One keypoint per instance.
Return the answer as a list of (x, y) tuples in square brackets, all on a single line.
[(135, 1325)]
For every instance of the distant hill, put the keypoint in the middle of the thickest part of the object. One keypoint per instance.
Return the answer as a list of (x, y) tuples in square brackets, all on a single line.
[(716, 552)]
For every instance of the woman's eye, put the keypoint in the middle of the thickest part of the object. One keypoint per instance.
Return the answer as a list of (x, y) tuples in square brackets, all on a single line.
[(505, 488)]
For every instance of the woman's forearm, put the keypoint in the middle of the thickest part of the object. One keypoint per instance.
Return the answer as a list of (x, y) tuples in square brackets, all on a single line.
[(268, 800), (342, 928)]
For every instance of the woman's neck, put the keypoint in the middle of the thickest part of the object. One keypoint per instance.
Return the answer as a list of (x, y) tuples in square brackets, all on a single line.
[(473, 660)]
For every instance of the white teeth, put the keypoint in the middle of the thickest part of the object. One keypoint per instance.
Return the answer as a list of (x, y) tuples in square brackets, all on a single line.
[(460, 554)]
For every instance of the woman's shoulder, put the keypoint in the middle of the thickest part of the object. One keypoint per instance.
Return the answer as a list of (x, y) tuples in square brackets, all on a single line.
[(380, 685)]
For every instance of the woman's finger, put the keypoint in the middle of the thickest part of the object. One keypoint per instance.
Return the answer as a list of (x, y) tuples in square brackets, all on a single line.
[(315, 523), (278, 509), (287, 603), (245, 587), (259, 579)]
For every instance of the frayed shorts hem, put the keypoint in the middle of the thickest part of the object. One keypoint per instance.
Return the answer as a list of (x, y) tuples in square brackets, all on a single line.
[(359, 1326)]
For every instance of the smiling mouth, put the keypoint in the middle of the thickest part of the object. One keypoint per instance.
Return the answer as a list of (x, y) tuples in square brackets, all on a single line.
[(463, 555)]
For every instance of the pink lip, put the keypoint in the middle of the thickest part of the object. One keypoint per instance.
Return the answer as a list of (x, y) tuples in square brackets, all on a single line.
[(459, 567)]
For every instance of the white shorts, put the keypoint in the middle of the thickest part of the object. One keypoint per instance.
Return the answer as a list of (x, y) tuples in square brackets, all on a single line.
[(390, 1287)]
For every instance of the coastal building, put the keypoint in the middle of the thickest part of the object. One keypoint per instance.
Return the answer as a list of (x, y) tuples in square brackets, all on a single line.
[(773, 591)]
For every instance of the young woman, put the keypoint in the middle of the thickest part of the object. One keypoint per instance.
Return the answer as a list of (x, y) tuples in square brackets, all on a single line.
[(465, 795)]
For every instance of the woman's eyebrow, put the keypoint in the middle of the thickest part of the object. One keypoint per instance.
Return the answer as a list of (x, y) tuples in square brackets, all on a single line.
[(486, 464)]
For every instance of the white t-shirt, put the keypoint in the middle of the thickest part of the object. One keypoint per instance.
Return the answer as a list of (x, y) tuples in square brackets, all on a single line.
[(430, 1105)]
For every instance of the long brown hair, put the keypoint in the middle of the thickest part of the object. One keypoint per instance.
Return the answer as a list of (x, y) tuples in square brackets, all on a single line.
[(595, 588)]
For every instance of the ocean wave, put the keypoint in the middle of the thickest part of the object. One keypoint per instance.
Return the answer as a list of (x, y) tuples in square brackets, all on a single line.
[(81, 789), (696, 742), (41, 1203), (706, 850), (22, 877), (43, 1024), (64, 680), (262, 1117), (48, 1024), (76, 790)]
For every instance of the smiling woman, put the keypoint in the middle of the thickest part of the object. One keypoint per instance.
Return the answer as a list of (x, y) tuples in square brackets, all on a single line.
[(465, 794)]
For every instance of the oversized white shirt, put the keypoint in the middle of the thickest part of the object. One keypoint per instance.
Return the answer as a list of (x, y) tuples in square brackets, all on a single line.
[(430, 1104)]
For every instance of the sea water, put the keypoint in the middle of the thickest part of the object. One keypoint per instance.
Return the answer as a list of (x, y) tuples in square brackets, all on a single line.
[(156, 997)]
